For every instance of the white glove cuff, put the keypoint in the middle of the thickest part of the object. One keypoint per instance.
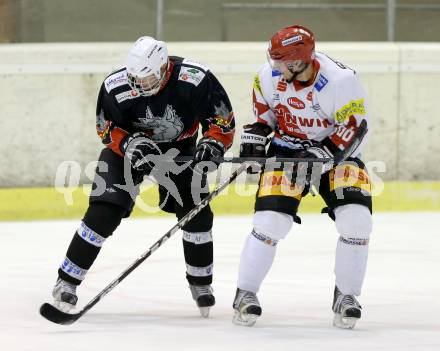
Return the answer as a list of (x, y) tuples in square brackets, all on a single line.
[(247, 138)]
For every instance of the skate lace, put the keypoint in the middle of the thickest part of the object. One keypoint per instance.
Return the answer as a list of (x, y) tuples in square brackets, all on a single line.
[(349, 301), (66, 287), (200, 290), (250, 299)]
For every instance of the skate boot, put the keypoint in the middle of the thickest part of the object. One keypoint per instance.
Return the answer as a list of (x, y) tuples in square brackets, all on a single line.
[(347, 310), (246, 308), (202, 295), (64, 295)]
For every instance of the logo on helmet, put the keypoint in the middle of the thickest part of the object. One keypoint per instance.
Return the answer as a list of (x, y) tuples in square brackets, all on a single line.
[(291, 40)]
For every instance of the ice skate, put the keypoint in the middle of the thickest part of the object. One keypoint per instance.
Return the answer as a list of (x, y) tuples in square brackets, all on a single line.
[(64, 294), (246, 308), (347, 310), (202, 295)]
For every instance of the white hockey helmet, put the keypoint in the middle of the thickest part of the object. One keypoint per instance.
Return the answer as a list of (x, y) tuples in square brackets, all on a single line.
[(147, 64)]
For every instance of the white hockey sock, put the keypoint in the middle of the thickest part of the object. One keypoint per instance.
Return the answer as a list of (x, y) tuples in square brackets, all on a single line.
[(354, 225), (256, 259), (350, 267)]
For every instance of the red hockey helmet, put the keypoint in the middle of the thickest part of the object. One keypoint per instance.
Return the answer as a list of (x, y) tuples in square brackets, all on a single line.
[(290, 44)]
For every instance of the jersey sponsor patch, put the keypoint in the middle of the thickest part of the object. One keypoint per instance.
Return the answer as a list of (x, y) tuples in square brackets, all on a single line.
[(291, 40), (127, 95), (276, 73), (296, 103), (257, 84), (282, 86), (191, 75), (321, 83), (115, 80), (278, 183), (195, 64), (351, 108)]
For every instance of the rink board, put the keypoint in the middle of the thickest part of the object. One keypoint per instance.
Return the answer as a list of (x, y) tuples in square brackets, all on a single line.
[(47, 203), (153, 310)]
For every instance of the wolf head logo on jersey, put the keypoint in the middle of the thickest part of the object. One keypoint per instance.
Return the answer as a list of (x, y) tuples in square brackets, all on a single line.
[(161, 128)]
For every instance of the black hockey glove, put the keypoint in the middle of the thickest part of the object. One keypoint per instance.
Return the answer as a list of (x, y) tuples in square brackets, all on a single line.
[(138, 149), (253, 142), (209, 149)]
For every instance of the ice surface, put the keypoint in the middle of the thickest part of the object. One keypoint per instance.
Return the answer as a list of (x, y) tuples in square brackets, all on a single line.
[(153, 310)]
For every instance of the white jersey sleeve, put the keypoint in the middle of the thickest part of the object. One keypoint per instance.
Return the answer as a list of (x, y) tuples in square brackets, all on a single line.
[(349, 109)]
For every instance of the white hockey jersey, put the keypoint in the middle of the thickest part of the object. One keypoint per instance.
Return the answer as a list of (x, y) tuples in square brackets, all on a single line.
[(330, 107)]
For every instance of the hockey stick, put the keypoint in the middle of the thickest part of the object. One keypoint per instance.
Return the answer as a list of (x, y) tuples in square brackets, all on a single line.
[(260, 160), (339, 157), (53, 314), (349, 150)]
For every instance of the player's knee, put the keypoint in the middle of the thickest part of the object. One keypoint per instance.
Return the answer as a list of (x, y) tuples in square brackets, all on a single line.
[(275, 225), (103, 218), (353, 220)]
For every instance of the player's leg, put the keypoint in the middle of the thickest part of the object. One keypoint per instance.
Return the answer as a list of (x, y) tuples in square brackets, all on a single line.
[(348, 196), (197, 241), (104, 214), (276, 205)]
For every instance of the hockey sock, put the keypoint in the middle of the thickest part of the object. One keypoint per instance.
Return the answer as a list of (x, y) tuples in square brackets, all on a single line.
[(354, 225), (100, 221), (350, 265), (255, 261), (198, 250)]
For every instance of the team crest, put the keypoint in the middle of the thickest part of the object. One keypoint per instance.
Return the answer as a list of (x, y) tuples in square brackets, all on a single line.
[(161, 128)]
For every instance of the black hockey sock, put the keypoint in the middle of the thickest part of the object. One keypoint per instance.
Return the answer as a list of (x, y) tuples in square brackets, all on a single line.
[(100, 221), (198, 250), (197, 241)]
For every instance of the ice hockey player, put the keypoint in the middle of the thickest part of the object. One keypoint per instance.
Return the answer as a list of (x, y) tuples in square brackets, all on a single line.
[(155, 103), (314, 106)]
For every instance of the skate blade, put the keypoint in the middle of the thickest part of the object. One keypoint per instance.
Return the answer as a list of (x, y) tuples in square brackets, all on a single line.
[(63, 306), (247, 320), (344, 322), (204, 311)]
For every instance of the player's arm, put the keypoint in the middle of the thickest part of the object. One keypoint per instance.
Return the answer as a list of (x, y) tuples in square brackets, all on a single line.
[(212, 106), (110, 129), (108, 120), (254, 137), (350, 109)]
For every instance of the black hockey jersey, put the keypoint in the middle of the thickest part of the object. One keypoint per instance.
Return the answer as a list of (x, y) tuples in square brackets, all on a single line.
[(191, 96)]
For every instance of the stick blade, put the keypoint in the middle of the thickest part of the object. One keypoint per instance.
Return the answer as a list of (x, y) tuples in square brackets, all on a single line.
[(54, 315)]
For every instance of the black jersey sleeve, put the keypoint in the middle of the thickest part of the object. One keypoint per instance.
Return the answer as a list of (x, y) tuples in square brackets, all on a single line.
[(213, 108), (109, 121)]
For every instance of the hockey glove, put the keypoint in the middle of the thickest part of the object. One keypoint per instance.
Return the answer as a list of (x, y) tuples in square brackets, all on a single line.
[(305, 172), (209, 149), (254, 140), (138, 149)]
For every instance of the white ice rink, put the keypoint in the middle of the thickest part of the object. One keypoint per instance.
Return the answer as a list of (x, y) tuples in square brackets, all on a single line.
[(153, 310)]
